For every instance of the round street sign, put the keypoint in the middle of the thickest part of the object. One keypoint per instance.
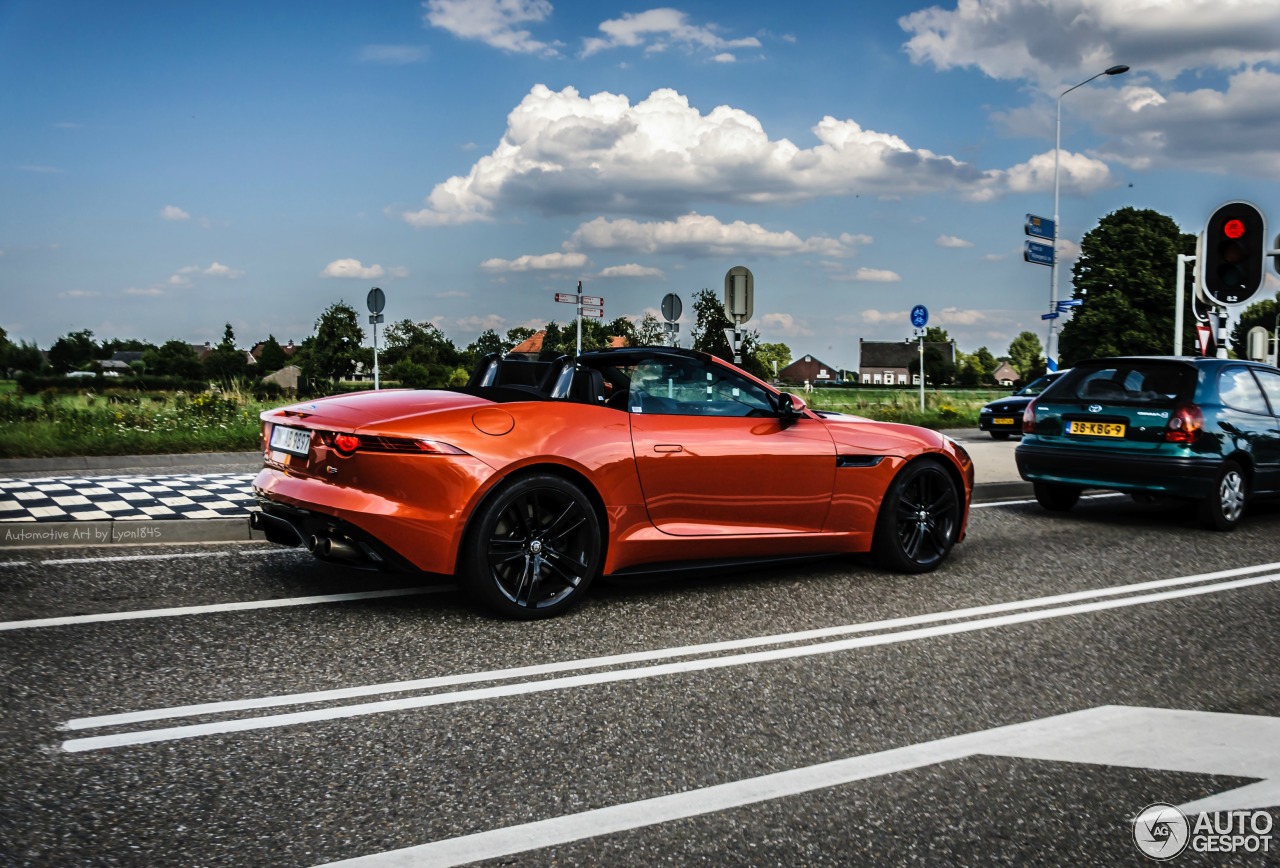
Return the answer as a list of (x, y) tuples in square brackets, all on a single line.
[(919, 316), (377, 300), (671, 307)]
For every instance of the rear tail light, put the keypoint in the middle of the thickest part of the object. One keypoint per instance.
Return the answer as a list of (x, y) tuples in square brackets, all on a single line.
[(349, 444), (1185, 424), (1029, 419)]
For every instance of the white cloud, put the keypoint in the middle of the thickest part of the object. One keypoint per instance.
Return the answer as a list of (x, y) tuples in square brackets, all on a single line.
[(173, 212), (217, 269), (354, 268), (952, 241), (1076, 173), (146, 292), (875, 317), (725, 58), (79, 293), (497, 23), (956, 316), (477, 324), (658, 29), (785, 325), (567, 154), (876, 275), (396, 55), (631, 270), (697, 235), (1057, 44), (542, 262)]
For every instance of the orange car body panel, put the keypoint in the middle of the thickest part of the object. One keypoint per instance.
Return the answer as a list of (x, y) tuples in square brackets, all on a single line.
[(783, 495)]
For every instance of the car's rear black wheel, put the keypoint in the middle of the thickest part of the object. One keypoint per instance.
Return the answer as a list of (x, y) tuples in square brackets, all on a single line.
[(1056, 498), (534, 548), (1224, 507), (919, 519)]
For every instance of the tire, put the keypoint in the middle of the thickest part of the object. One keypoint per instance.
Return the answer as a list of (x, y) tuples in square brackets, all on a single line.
[(919, 519), (1056, 498), (533, 549), (999, 435), (1224, 507)]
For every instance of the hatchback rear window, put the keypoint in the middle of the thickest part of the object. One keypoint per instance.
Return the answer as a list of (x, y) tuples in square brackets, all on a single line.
[(1137, 382)]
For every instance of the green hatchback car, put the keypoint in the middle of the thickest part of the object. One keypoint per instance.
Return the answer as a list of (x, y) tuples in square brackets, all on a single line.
[(1205, 430)]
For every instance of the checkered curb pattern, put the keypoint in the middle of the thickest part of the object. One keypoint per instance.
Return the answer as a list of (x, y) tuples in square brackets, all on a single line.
[(127, 498)]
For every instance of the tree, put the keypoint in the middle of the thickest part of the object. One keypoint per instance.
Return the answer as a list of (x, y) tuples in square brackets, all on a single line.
[(774, 357), (6, 349), (336, 349), (26, 357), (1024, 353), (624, 328), (709, 337), (225, 363), (173, 359), (73, 351), (650, 332), (1125, 276), (487, 343), (936, 335), (1263, 314), (986, 365), (271, 358), (422, 343), (519, 335)]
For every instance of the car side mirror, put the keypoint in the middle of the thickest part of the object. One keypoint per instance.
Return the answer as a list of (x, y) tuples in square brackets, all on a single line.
[(790, 408)]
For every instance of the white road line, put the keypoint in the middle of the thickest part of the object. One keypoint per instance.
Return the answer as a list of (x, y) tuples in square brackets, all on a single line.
[(161, 557), (237, 705), (992, 503), (217, 607), (1147, 738), (703, 664)]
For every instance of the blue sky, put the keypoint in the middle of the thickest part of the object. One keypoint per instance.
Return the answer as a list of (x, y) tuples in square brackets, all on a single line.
[(166, 168)]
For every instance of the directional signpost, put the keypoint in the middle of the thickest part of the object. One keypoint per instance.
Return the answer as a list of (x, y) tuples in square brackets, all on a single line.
[(588, 305), (739, 301), (1039, 227), (671, 309), (376, 300), (1040, 254)]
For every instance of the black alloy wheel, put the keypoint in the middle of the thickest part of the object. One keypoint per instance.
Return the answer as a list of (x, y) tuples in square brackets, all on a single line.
[(1055, 498), (534, 548), (919, 519)]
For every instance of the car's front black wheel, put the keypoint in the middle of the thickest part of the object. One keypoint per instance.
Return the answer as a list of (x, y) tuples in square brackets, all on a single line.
[(919, 519), (1056, 498), (1224, 507), (534, 547)]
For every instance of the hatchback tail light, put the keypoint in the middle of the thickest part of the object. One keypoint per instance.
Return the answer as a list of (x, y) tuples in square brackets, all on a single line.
[(1185, 424), (1029, 419)]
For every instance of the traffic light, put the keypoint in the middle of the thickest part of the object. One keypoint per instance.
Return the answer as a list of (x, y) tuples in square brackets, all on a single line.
[(1234, 249)]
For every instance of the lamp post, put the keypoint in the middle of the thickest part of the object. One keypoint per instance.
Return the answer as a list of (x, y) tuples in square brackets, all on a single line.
[(1057, 224)]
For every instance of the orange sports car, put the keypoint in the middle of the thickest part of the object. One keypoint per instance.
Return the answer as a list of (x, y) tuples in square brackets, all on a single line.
[(538, 476)]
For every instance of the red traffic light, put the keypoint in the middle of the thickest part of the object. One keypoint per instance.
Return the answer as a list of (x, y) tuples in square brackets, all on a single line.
[(1231, 253), (1233, 228)]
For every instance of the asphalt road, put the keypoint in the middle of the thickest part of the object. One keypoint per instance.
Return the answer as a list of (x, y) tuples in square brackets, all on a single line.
[(225, 705)]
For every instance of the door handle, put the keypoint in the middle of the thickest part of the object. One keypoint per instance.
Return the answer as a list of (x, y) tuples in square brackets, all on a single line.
[(668, 447)]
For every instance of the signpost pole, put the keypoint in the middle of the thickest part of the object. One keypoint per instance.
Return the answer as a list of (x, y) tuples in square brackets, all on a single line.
[(376, 301), (579, 351), (1180, 302), (922, 370)]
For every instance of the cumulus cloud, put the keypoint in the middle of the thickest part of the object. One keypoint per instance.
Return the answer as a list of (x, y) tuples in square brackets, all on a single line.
[(696, 235), (217, 269), (497, 23), (957, 316), (658, 29), (875, 317), (563, 153), (173, 212), (784, 325), (876, 275), (146, 292), (355, 268), (952, 241), (1068, 40), (540, 262), (1076, 173), (631, 270)]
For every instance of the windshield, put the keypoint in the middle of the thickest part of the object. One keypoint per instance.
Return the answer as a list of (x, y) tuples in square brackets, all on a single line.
[(1035, 387)]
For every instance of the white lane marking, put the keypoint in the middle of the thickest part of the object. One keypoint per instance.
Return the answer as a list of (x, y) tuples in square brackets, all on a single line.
[(162, 557), (232, 706), (14, 563), (218, 607), (992, 503), (1109, 734), (525, 688)]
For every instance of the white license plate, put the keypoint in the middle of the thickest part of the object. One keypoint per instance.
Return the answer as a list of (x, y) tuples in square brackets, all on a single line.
[(295, 441)]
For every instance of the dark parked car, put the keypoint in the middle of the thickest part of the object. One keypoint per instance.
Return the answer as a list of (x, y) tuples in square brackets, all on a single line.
[(1205, 430), (1003, 417)]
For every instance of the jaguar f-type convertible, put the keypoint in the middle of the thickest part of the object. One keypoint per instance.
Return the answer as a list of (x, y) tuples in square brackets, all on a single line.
[(539, 476)]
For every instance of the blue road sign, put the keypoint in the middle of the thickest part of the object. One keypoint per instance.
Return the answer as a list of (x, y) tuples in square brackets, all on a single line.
[(1040, 254), (1053, 315), (919, 316), (1039, 227), (1068, 303)]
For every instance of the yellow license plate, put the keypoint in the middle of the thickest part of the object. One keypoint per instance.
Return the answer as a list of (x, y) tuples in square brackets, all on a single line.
[(1002, 420), (1096, 429)]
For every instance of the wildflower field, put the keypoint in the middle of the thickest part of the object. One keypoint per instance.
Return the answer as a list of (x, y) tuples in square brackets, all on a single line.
[(124, 422)]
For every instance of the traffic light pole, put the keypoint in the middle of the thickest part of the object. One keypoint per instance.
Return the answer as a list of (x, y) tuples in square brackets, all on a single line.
[(1181, 291)]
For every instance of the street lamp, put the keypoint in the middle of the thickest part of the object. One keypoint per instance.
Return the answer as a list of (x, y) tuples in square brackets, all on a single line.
[(1057, 224)]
